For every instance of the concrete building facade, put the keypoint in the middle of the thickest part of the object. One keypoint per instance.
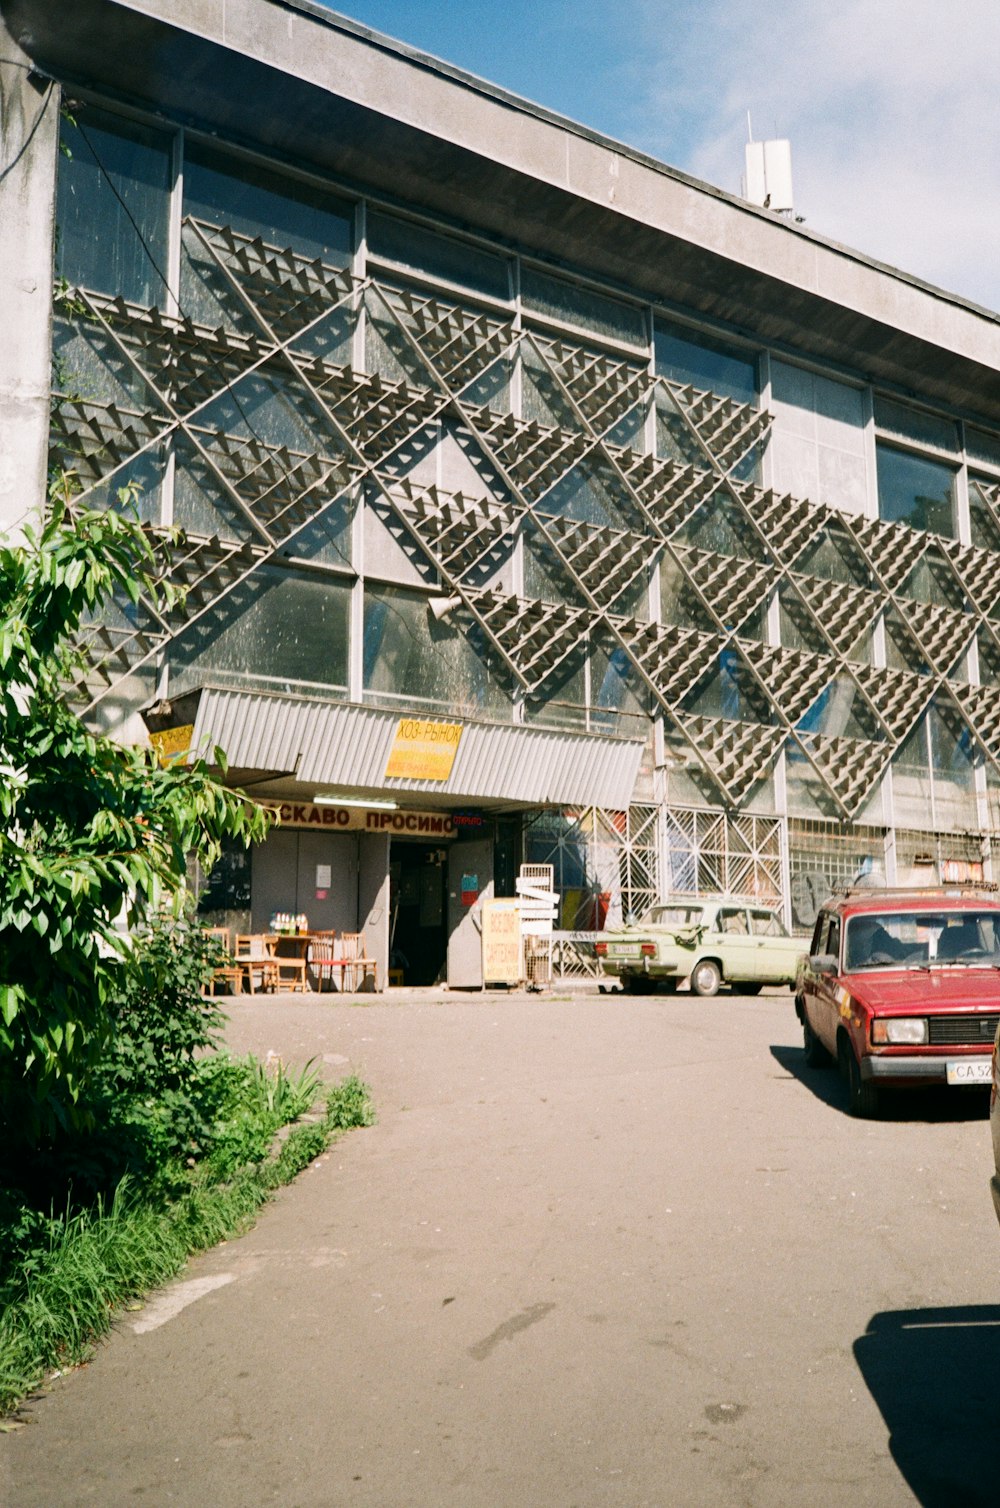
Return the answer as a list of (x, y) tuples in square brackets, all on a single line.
[(537, 501)]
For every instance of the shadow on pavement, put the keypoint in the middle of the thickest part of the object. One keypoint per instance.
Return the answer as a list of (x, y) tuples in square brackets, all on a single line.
[(824, 1083), (937, 1103), (935, 1375)]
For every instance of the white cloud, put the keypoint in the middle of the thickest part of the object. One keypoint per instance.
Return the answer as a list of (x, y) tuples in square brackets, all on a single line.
[(891, 106)]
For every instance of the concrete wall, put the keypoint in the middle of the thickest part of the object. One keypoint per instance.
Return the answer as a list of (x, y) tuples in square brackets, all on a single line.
[(29, 146)]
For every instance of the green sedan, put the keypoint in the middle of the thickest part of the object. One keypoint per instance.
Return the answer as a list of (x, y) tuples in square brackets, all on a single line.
[(709, 942)]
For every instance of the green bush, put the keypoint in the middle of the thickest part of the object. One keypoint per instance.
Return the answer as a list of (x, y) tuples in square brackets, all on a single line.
[(126, 1139), (160, 1100), (160, 1020), (152, 1098)]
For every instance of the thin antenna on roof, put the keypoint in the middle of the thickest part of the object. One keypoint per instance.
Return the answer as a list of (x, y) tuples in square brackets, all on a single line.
[(749, 129)]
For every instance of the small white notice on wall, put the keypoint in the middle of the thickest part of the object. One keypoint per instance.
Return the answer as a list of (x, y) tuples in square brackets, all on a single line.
[(324, 874)]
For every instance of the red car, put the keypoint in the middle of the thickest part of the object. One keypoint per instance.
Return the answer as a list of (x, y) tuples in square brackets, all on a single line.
[(902, 987)]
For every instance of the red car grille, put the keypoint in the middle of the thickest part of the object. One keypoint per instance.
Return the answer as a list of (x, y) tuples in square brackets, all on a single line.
[(963, 1031)]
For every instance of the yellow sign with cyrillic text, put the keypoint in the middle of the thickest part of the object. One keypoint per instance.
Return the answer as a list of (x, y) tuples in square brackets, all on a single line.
[(173, 745), (423, 750)]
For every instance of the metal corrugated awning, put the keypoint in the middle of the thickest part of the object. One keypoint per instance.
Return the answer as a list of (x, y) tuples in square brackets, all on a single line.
[(344, 745)]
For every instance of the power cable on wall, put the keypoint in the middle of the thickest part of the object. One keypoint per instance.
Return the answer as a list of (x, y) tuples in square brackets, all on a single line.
[(48, 94)]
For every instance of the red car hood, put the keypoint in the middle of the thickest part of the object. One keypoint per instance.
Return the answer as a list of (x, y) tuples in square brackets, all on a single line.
[(914, 991)]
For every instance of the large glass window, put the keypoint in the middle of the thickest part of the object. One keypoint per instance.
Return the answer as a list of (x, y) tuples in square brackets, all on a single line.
[(679, 603), (834, 556), (953, 759), (113, 206), (575, 305), (617, 694), (257, 201), (87, 365), (424, 251), (980, 446), (729, 691), (279, 630), (913, 424), (934, 774), (285, 213), (409, 655), (983, 517), (915, 490), (705, 365), (838, 712)]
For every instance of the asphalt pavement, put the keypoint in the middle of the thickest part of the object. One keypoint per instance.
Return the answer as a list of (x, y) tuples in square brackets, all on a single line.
[(597, 1250)]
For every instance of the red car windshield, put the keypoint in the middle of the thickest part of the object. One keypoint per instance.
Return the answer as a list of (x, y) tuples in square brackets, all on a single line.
[(920, 939)]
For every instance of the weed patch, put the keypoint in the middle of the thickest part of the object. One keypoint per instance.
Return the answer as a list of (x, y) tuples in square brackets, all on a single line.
[(64, 1277)]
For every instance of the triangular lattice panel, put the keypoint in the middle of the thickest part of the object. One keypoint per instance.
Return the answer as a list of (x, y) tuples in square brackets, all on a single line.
[(734, 590), (793, 679), (898, 697), (843, 612), (673, 659), (738, 754), (850, 767)]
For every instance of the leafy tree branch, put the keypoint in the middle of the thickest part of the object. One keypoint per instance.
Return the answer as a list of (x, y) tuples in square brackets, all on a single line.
[(94, 836)]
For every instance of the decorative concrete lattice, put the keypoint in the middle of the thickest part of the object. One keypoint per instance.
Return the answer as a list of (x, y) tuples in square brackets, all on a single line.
[(295, 326)]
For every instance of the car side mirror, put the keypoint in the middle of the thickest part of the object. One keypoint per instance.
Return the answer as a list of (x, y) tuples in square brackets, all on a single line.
[(823, 963)]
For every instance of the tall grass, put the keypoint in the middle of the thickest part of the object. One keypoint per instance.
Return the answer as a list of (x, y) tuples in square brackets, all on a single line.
[(100, 1258)]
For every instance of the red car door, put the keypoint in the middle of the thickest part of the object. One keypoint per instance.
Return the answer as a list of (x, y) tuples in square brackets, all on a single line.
[(821, 996)]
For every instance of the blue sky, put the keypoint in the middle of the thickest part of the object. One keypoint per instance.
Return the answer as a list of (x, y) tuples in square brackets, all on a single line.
[(891, 106)]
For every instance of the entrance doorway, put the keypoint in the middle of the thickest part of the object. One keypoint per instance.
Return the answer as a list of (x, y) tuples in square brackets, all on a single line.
[(418, 917)]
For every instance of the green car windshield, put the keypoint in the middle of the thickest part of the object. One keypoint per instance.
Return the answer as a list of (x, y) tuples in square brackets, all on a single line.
[(919, 939)]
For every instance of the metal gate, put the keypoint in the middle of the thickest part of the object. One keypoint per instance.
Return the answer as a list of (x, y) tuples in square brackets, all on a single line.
[(719, 853)]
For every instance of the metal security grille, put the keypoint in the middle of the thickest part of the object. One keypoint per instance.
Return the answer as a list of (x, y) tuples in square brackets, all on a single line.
[(605, 864), (824, 858), (957, 856), (573, 955), (717, 853)]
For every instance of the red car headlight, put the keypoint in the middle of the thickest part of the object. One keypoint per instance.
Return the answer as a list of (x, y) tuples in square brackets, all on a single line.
[(894, 1030)]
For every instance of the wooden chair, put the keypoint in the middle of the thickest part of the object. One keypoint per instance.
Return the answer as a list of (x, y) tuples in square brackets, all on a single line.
[(228, 973), (256, 961), (345, 955), (355, 963), (322, 956)]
